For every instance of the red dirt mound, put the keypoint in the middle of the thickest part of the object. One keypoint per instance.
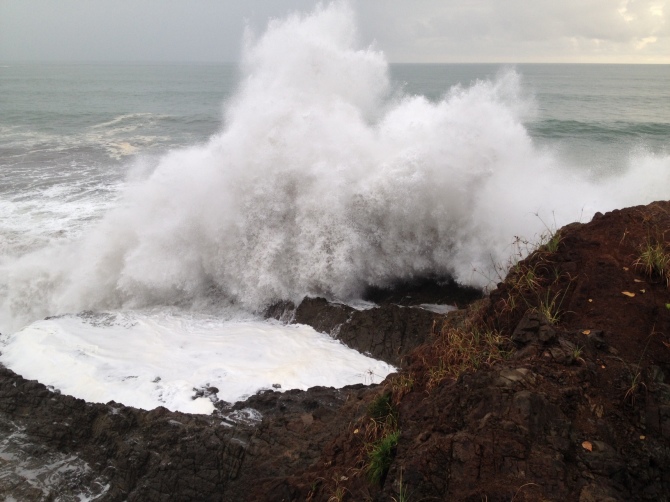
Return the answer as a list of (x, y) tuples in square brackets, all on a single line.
[(556, 387)]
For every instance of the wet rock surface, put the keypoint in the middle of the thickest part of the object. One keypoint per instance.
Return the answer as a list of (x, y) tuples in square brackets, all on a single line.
[(388, 333), (111, 452), (394, 322), (578, 409)]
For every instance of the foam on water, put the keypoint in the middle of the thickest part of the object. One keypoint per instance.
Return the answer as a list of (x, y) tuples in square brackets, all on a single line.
[(118, 137), (162, 359), (322, 181), (37, 217)]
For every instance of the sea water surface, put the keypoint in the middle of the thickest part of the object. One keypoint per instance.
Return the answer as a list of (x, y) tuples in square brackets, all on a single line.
[(153, 211)]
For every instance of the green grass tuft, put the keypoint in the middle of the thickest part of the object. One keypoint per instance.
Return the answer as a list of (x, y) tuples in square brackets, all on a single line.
[(381, 410), (654, 259), (380, 456)]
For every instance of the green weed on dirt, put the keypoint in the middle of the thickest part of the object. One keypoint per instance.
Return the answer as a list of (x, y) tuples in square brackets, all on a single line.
[(654, 259)]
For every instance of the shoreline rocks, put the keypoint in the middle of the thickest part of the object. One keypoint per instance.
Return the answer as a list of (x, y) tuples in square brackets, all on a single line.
[(578, 410)]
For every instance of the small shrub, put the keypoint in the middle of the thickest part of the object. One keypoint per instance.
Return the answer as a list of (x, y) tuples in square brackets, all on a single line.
[(550, 306), (379, 433), (654, 259), (338, 494), (436, 374), (553, 242), (524, 278), (380, 456), (536, 284), (382, 411), (401, 385), (458, 349), (551, 238), (403, 495), (635, 373), (635, 384)]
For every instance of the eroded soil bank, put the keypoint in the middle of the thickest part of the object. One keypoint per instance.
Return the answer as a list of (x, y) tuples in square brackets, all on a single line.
[(554, 387)]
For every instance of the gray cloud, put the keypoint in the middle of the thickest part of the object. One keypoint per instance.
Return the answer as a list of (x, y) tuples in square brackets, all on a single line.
[(518, 30), (420, 30), (131, 30)]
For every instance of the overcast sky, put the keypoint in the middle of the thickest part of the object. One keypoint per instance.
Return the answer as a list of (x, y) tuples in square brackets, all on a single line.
[(513, 31)]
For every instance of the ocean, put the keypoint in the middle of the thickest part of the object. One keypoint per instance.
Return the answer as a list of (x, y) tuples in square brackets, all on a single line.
[(152, 212)]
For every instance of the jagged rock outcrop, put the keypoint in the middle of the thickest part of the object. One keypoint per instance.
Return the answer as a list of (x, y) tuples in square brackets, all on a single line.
[(387, 333)]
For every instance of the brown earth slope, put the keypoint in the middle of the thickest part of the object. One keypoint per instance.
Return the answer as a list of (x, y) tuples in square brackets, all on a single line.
[(555, 387), (576, 407)]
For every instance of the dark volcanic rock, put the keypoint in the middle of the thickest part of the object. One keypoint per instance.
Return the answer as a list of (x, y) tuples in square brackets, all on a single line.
[(533, 328), (388, 333), (112, 452), (439, 290), (137, 455)]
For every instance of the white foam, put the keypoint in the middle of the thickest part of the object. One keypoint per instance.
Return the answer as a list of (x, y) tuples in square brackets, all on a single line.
[(359, 304), (149, 360), (438, 308)]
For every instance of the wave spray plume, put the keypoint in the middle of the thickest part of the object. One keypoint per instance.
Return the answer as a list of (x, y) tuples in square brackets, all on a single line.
[(323, 180)]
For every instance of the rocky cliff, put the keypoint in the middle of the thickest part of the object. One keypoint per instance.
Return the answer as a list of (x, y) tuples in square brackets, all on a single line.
[(555, 386)]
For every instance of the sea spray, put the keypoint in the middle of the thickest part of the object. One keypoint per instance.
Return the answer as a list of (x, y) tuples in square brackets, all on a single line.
[(323, 180)]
